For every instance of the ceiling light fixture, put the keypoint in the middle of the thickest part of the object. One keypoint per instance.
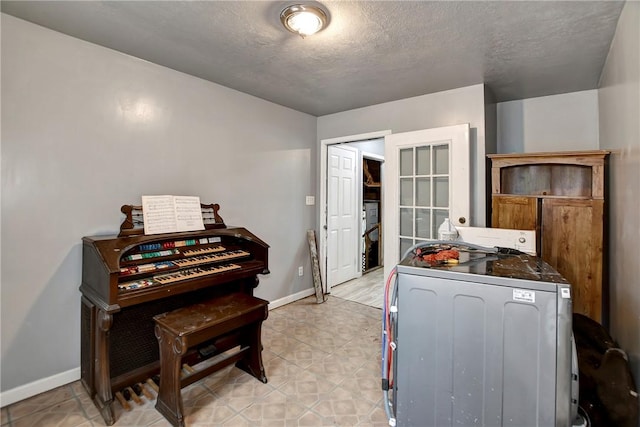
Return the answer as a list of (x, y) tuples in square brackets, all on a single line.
[(304, 20)]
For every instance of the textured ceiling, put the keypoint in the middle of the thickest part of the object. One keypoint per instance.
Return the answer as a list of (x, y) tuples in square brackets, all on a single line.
[(371, 52)]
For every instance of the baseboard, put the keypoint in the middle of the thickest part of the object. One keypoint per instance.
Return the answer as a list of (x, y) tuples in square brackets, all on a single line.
[(291, 298), (40, 386)]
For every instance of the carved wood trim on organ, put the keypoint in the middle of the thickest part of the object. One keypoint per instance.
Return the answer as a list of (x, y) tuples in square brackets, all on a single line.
[(133, 223), (118, 341)]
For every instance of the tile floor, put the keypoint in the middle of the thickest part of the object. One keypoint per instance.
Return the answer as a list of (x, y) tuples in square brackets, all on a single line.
[(322, 362), (367, 289)]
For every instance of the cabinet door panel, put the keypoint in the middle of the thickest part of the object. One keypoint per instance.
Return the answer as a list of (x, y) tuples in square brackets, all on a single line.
[(572, 244), (515, 212)]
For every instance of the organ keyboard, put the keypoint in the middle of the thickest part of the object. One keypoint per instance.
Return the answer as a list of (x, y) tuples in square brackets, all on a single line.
[(195, 272), (129, 278)]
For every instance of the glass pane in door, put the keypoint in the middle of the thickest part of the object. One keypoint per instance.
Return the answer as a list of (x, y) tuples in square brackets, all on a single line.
[(438, 217), (441, 192), (405, 244), (424, 192), (441, 159), (406, 191), (406, 162), (423, 160), (423, 223), (406, 221)]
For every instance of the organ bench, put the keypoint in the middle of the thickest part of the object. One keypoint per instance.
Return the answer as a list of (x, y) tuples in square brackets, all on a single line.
[(186, 327)]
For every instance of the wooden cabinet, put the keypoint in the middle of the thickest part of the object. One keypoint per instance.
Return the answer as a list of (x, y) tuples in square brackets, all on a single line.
[(562, 197)]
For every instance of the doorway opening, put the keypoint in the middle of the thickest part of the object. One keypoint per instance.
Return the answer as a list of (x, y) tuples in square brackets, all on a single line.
[(366, 203), (371, 218)]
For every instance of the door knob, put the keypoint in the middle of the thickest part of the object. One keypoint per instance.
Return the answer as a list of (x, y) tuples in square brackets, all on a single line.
[(462, 220)]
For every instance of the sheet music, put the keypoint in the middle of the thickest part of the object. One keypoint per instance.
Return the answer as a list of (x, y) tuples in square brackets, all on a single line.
[(170, 214), (188, 213)]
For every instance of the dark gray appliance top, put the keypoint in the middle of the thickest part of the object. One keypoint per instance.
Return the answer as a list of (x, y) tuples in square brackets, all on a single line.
[(507, 263)]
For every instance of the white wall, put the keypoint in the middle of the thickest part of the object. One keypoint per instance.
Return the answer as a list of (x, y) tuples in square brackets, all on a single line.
[(619, 105), (85, 130), (452, 107), (549, 123), (372, 146)]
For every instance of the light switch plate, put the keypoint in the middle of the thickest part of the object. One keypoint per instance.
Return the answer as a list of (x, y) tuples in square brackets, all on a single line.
[(311, 200)]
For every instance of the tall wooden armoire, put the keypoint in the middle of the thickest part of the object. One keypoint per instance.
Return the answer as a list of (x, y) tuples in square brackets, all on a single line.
[(561, 196)]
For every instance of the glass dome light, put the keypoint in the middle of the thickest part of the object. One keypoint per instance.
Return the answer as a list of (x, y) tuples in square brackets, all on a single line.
[(304, 20)]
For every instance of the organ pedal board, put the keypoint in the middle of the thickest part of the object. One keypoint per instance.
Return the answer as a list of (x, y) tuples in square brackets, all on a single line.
[(147, 390), (139, 393)]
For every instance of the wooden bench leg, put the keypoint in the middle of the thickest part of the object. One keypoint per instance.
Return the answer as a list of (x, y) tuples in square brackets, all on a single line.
[(252, 362), (169, 402)]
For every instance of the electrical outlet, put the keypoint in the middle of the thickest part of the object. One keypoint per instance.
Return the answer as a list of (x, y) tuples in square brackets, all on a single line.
[(300, 271)]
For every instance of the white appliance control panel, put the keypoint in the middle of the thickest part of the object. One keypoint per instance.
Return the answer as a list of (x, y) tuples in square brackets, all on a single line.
[(522, 240)]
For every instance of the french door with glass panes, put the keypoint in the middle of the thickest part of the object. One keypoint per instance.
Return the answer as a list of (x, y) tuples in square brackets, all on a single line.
[(427, 181)]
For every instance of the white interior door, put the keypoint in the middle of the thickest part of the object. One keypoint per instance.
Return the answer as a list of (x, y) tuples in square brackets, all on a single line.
[(342, 215), (427, 180)]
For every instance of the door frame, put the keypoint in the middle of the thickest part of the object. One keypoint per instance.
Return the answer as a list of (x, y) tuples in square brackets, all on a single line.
[(322, 207)]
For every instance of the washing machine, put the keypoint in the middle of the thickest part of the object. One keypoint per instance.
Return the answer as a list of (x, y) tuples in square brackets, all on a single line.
[(481, 340)]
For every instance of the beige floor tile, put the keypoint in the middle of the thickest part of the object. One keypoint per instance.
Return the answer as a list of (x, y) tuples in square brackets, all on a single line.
[(40, 402), (312, 419), (279, 343), (307, 389), (64, 414), (208, 415), (280, 323), (275, 409), (304, 355), (161, 423), (236, 421), (337, 367), (364, 383), (319, 339), (377, 418), (322, 362), (241, 394), (344, 407)]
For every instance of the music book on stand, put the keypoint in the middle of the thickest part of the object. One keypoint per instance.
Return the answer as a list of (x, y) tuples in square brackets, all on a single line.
[(171, 214)]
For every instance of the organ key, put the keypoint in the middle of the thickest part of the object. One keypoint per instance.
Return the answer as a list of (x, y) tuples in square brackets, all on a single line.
[(205, 259), (195, 272), (202, 251)]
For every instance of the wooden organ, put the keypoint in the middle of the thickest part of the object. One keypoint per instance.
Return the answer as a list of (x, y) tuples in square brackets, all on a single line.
[(130, 278)]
